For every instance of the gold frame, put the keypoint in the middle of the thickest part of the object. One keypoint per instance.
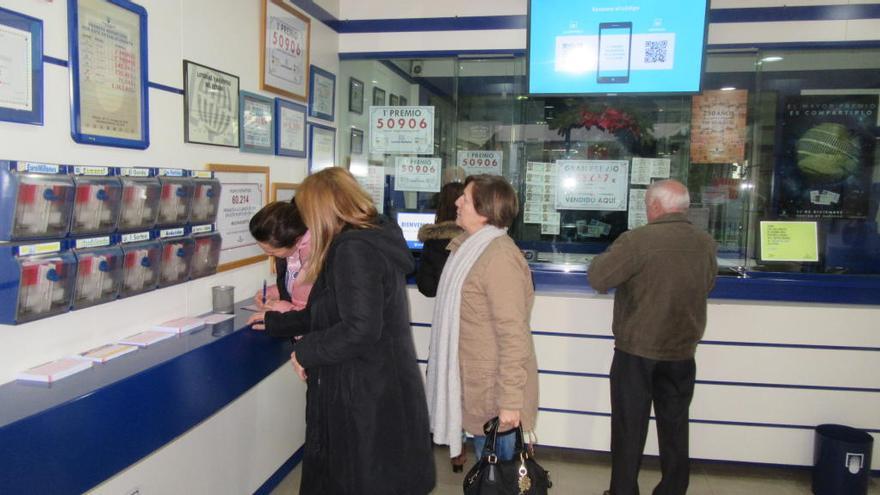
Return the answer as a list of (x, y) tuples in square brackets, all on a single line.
[(283, 186), (263, 85), (242, 169)]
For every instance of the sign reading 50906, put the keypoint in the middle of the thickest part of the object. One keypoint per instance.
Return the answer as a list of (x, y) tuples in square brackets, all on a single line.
[(402, 130)]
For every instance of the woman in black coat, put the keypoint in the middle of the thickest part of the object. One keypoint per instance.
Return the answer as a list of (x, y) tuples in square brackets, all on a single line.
[(435, 237), (366, 412)]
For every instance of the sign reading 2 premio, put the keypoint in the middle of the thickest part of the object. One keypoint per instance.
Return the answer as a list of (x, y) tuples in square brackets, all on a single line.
[(591, 184), (616, 46), (402, 130)]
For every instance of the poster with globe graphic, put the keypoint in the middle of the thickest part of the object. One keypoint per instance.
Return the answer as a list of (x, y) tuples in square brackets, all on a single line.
[(826, 164), (210, 106)]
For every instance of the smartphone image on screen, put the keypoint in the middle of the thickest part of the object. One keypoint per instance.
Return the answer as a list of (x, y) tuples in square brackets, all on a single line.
[(615, 43)]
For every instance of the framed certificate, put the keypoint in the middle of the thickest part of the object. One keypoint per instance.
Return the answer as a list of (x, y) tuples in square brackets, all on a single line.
[(245, 192), (284, 191), (284, 50), (210, 106), (322, 93), (403, 101), (21, 68), (378, 97), (356, 146), (355, 96), (322, 143), (108, 73), (290, 129), (393, 100), (257, 130)]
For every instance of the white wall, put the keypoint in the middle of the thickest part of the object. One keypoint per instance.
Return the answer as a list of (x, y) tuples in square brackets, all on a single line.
[(223, 35), (242, 445)]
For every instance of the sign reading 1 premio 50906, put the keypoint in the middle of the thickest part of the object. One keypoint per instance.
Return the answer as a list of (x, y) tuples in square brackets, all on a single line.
[(402, 130), (615, 46)]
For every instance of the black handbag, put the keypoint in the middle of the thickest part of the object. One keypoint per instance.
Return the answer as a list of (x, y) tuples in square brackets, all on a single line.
[(521, 475)]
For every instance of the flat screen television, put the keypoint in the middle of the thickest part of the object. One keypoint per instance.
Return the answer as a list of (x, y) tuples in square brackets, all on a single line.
[(410, 222), (616, 46)]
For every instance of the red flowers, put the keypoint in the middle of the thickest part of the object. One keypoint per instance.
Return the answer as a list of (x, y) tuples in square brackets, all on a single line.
[(609, 119)]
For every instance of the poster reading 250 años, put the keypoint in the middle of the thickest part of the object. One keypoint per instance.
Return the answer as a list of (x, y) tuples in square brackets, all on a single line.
[(827, 162), (718, 126), (285, 50)]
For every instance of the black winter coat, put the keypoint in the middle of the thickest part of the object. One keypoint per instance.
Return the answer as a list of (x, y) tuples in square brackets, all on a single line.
[(366, 414), (436, 237)]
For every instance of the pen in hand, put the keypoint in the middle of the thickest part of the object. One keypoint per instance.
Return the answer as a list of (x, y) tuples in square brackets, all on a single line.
[(264, 292)]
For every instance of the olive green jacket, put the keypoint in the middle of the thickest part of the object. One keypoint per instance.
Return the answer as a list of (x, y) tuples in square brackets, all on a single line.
[(663, 273)]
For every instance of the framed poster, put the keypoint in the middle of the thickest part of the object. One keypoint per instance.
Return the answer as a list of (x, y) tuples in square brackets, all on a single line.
[(257, 129), (378, 97), (284, 50), (108, 73), (283, 191), (393, 100), (210, 106), (245, 191), (403, 101), (322, 94), (21, 68), (290, 129), (322, 142), (355, 96), (718, 126), (356, 144)]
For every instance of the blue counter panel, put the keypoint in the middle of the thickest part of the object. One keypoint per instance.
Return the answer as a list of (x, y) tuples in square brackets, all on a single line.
[(84, 429)]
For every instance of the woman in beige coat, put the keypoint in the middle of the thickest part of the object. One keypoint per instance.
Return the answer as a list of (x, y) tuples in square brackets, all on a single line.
[(482, 358)]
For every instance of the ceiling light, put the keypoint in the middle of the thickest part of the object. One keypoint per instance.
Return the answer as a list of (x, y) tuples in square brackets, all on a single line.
[(728, 88), (774, 58)]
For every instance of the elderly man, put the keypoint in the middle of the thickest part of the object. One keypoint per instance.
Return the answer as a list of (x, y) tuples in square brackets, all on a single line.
[(663, 273)]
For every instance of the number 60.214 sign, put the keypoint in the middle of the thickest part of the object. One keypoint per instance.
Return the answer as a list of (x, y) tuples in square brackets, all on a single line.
[(402, 130)]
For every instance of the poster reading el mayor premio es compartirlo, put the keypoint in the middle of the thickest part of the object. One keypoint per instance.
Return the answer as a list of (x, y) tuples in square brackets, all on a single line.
[(827, 161)]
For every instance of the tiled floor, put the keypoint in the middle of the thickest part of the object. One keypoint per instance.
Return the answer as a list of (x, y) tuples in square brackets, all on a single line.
[(577, 472)]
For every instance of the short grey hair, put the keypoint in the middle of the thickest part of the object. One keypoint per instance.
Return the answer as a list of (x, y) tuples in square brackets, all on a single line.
[(672, 195)]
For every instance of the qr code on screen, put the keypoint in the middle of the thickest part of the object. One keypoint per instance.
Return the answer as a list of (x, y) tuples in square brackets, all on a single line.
[(655, 51)]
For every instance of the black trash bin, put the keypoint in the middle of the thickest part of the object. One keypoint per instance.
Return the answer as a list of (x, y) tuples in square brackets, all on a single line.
[(841, 460)]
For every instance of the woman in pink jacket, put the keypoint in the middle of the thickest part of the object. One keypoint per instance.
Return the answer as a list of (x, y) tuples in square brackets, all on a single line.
[(280, 232)]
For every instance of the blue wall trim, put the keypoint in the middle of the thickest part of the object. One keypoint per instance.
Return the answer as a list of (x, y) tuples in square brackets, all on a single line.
[(54, 61), (282, 472), (484, 23), (427, 54), (701, 421), (84, 429), (163, 87)]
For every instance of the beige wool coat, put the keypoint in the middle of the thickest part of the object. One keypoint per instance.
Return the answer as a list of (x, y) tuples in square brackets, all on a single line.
[(496, 352)]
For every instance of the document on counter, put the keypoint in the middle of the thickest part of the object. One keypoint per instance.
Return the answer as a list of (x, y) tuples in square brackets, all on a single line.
[(180, 325), (216, 318), (251, 307), (107, 352), (55, 370), (147, 338)]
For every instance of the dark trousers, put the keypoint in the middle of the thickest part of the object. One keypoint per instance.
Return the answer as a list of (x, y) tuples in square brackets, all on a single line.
[(636, 382)]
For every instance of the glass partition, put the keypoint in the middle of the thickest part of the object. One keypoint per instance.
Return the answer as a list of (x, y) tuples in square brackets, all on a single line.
[(779, 153)]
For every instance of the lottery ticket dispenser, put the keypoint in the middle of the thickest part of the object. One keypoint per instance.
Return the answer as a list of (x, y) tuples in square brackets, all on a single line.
[(36, 200), (140, 199), (206, 197), (98, 200), (36, 280), (206, 251), (177, 255), (98, 271), (175, 199), (141, 254)]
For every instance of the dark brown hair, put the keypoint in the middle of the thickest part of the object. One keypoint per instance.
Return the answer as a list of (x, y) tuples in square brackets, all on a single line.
[(446, 209), (278, 224), (494, 198)]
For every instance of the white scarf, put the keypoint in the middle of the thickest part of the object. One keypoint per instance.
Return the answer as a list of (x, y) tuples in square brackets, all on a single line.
[(444, 378)]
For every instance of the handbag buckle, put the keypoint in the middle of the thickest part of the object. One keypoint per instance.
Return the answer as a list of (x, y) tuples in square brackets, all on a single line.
[(492, 459)]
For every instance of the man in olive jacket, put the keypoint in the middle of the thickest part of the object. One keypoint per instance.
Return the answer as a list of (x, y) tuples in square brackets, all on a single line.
[(663, 273)]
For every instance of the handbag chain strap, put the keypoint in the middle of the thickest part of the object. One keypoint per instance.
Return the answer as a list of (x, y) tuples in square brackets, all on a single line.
[(524, 482)]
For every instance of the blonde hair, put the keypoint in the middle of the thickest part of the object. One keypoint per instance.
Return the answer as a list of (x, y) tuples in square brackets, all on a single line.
[(329, 201)]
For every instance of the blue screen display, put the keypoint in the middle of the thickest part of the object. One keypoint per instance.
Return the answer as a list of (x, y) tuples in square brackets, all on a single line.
[(614, 46)]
